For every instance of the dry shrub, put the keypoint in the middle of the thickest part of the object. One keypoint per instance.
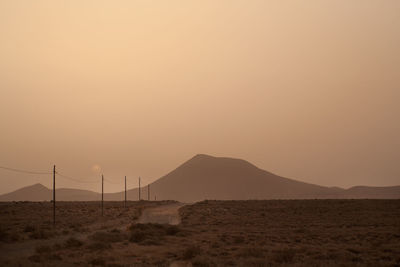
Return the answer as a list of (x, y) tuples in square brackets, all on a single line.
[(44, 253), (65, 232), (285, 255), (8, 236), (29, 228), (138, 236), (191, 252), (42, 249), (98, 246), (238, 239), (40, 234), (73, 243), (354, 250), (151, 233), (77, 227), (3, 234), (251, 252), (215, 245), (109, 237), (98, 262), (13, 236), (172, 230), (203, 261), (253, 262), (35, 258)]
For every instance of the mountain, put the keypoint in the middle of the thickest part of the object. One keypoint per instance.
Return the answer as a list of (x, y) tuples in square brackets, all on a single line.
[(39, 192), (373, 192), (207, 177), (36, 192)]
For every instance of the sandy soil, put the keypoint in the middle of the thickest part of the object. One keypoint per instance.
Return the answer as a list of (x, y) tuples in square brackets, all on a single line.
[(210, 233), (27, 235), (294, 232), (165, 214)]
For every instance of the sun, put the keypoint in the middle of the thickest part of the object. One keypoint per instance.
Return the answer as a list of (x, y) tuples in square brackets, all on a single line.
[(96, 168)]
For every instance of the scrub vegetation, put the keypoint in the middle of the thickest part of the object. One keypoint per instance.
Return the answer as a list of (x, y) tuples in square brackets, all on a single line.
[(211, 233)]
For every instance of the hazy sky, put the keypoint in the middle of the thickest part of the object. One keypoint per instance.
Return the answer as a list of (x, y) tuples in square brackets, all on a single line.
[(305, 89)]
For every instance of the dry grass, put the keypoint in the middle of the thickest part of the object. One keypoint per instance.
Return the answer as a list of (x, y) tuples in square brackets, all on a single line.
[(27, 235), (150, 233), (108, 236), (73, 243), (212, 233), (296, 232)]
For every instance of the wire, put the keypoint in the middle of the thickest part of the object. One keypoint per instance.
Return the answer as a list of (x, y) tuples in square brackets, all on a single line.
[(23, 171), (76, 179), (111, 182)]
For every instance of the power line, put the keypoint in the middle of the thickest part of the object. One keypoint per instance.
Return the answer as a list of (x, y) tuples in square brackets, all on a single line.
[(23, 171), (76, 179), (112, 182)]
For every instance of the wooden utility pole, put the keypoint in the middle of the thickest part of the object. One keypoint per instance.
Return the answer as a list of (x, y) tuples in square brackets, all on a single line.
[(102, 194), (125, 191), (148, 192), (54, 195), (139, 188)]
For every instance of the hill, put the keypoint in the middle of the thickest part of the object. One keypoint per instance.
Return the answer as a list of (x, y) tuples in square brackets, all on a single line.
[(36, 192), (207, 177), (39, 192)]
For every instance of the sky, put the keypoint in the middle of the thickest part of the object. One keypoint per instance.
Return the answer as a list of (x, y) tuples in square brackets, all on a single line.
[(308, 90)]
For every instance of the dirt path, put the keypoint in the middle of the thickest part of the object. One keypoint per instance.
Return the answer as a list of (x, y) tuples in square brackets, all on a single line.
[(27, 247), (165, 214)]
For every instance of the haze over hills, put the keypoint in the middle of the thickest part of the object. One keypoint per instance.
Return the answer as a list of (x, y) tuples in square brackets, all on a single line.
[(207, 177), (39, 192)]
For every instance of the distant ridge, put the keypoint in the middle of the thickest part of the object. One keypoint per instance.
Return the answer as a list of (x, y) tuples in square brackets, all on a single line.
[(39, 192), (36, 192), (207, 177)]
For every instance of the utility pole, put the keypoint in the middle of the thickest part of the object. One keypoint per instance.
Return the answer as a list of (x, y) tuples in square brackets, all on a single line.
[(102, 194), (125, 191), (139, 188), (148, 192), (54, 195)]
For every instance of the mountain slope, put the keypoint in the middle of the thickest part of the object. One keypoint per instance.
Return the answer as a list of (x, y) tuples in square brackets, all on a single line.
[(207, 177), (36, 192), (39, 192), (373, 192)]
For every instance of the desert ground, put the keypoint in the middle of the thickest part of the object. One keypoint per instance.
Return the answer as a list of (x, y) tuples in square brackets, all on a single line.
[(208, 233)]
